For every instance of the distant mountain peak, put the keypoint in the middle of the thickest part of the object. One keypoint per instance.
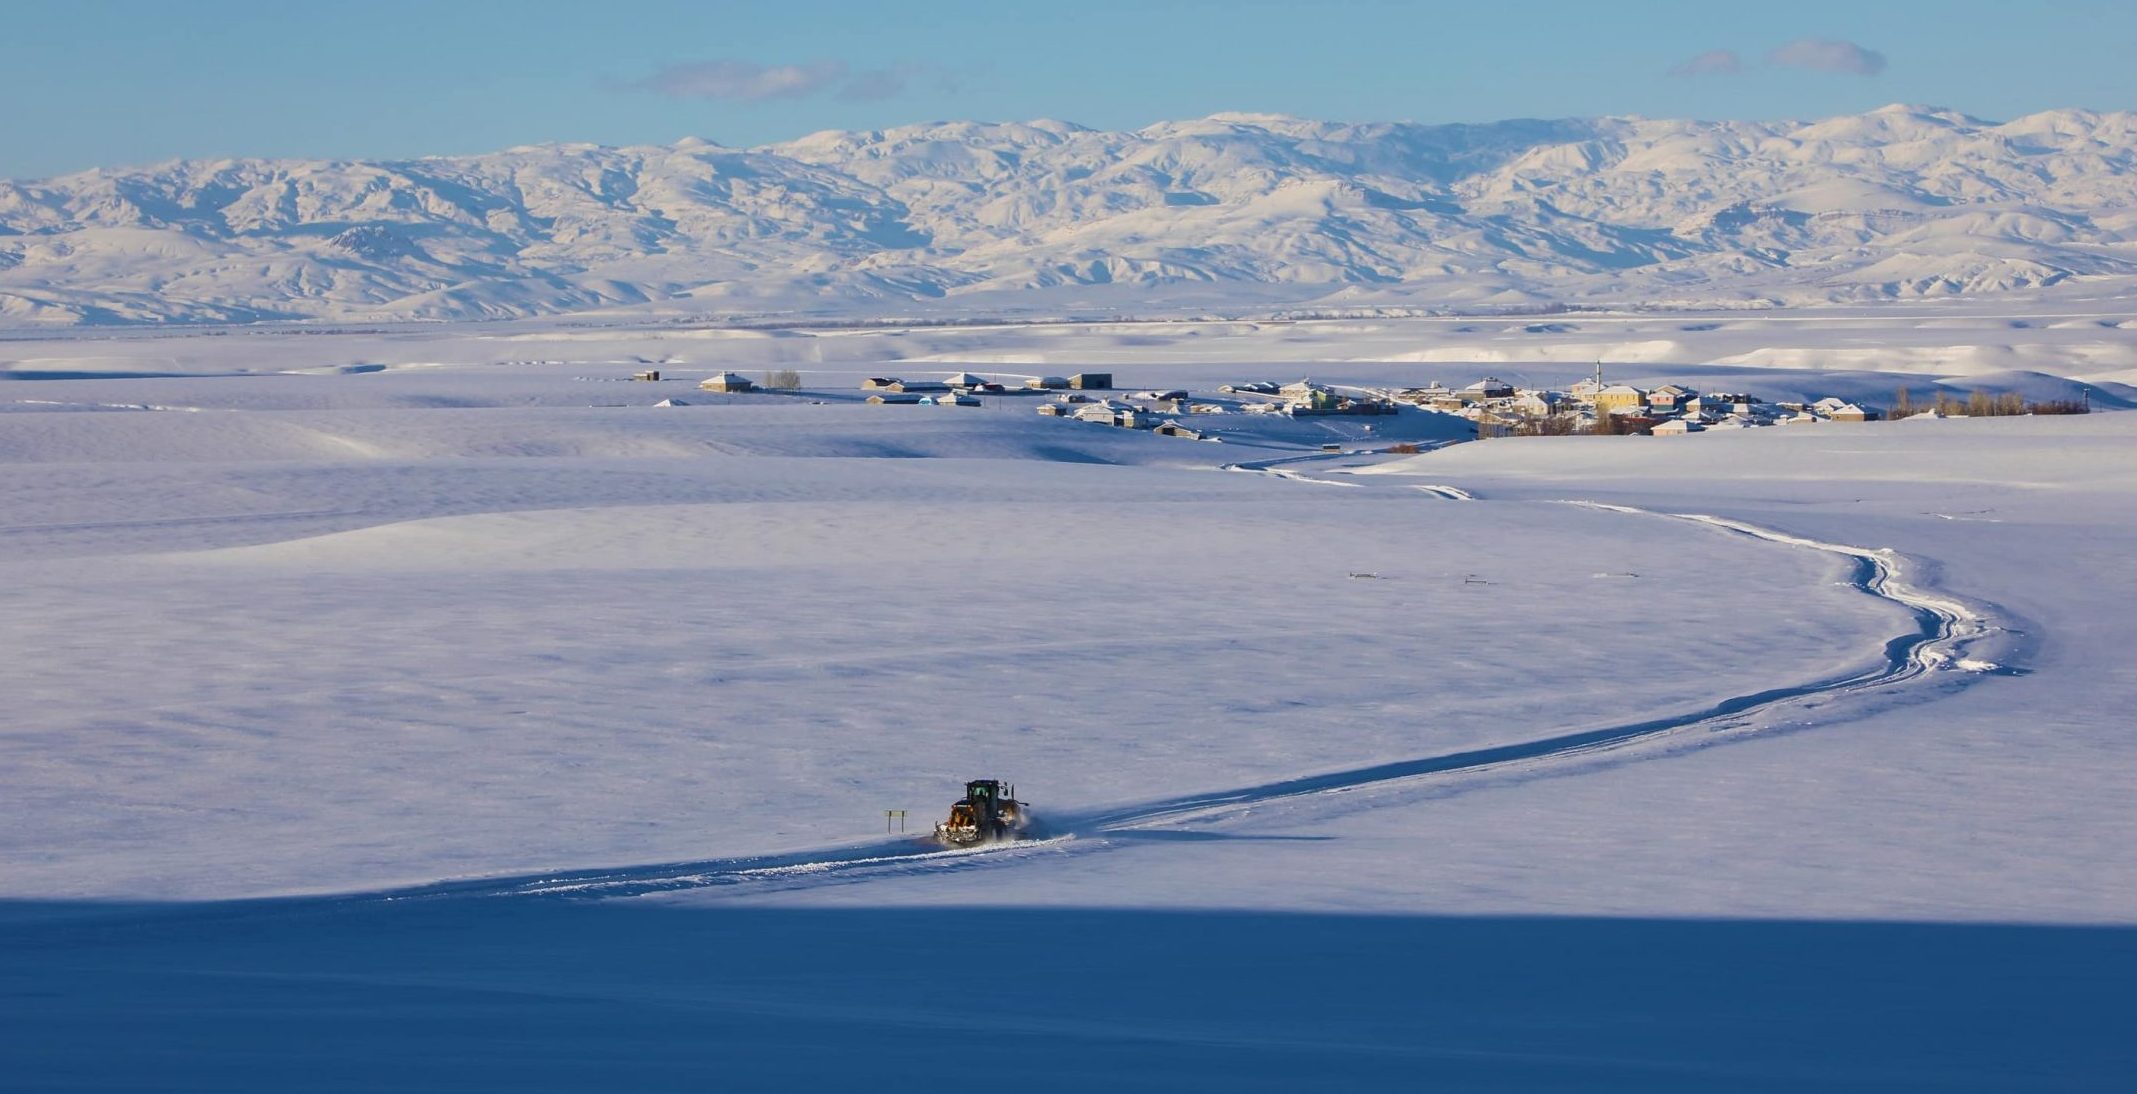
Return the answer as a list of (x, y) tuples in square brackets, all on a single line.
[(1245, 117)]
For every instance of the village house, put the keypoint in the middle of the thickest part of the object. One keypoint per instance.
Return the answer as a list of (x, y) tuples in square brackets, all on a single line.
[(1718, 404), (727, 382), (1490, 387), (1676, 427), (1489, 424), (1840, 410), (1312, 398), (1047, 383), (1091, 381), (893, 397), (1669, 399), (1619, 397), (1629, 421), (1534, 404)]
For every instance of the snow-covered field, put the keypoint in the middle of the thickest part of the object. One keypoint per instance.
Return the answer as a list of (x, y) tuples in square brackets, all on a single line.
[(1488, 767)]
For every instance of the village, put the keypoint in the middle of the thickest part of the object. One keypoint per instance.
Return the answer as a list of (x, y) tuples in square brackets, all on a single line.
[(1488, 408), (1493, 407), (1592, 406), (1090, 397)]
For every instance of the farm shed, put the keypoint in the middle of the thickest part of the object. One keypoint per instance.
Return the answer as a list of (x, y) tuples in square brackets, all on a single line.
[(728, 382)]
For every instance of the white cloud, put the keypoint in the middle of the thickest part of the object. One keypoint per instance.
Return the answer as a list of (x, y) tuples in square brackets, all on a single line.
[(749, 81), (1828, 55), (746, 81)]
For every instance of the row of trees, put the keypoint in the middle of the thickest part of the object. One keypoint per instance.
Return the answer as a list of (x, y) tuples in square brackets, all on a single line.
[(1982, 404)]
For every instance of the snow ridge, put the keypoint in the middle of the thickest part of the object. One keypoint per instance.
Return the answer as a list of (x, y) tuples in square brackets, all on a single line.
[(1900, 202)]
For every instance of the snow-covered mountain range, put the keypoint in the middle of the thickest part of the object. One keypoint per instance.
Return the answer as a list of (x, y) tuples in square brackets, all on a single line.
[(978, 217)]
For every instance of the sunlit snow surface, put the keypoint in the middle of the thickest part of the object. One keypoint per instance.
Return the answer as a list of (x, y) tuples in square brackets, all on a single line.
[(319, 614)]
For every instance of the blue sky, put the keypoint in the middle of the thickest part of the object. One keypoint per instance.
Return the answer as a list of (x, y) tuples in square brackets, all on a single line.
[(109, 82)]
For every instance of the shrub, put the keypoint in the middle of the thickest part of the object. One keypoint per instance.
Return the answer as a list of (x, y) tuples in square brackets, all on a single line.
[(1618, 425), (1555, 425), (2060, 406)]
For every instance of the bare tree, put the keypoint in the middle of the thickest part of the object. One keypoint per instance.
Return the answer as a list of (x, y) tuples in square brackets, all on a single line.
[(1902, 405)]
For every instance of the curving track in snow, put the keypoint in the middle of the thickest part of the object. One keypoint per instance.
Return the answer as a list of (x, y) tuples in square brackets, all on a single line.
[(1942, 651)]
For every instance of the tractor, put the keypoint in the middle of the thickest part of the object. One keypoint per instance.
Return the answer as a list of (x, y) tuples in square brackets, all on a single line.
[(988, 812)]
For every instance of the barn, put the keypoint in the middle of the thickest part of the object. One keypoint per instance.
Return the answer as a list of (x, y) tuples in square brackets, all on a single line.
[(728, 382)]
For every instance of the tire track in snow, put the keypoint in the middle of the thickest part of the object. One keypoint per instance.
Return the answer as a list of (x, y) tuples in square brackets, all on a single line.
[(1947, 632), (1277, 467), (1448, 493)]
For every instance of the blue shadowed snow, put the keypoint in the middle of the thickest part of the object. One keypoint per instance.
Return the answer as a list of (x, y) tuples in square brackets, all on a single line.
[(537, 995)]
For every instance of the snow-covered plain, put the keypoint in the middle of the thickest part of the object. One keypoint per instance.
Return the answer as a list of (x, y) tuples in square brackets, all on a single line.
[(331, 613)]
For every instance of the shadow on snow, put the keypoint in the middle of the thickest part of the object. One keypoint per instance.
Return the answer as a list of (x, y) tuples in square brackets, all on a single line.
[(620, 996)]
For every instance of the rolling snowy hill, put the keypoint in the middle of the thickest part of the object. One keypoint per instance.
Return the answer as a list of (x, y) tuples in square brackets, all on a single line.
[(1901, 202)]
